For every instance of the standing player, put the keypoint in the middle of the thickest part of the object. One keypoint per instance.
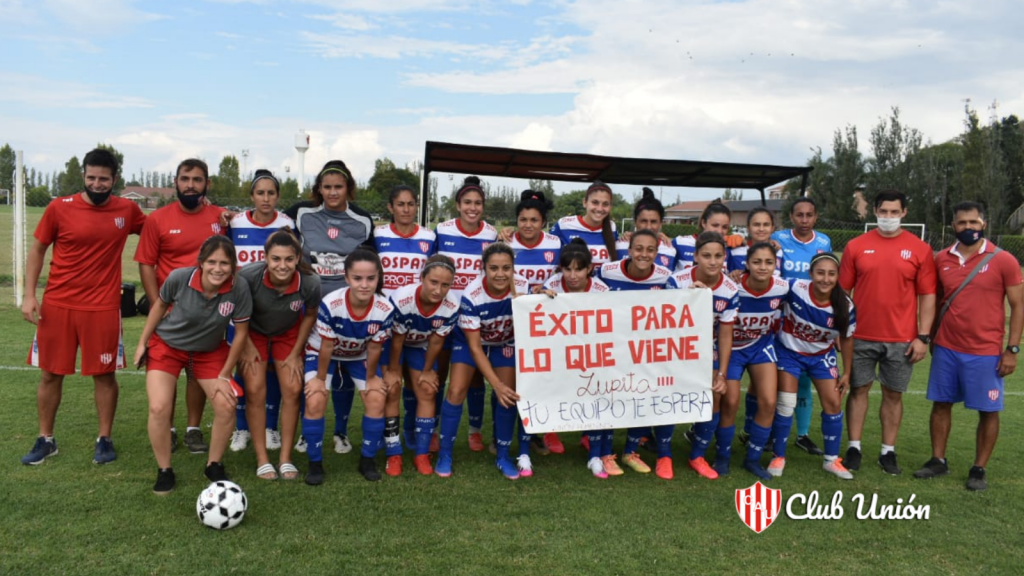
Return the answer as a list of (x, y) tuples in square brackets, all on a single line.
[(185, 330), (353, 324), (485, 344), (799, 245), (595, 227), (708, 272), (285, 292), (425, 314), (330, 230), (464, 239), (403, 246), (639, 272), (573, 277), (249, 231), (82, 299), (817, 313), (715, 218), (753, 350), (171, 240), (891, 273), (969, 361), (536, 250)]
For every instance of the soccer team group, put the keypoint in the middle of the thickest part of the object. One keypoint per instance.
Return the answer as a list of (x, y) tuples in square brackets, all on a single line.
[(275, 314)]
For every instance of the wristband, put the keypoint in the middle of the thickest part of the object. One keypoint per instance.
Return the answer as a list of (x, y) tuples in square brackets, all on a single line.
[(924, 338)]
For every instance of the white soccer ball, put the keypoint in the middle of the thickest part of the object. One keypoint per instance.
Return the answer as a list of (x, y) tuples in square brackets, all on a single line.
[(221, 505)]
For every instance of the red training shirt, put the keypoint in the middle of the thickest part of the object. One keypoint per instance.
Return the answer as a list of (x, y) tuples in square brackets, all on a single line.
[(886, 276), (172, 237), (976, 320), (85, 270)]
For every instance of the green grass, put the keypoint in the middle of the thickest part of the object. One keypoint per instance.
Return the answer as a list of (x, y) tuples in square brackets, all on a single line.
[(71, 516)]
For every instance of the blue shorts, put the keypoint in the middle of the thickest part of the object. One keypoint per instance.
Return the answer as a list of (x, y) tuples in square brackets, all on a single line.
[(959, 377), (499, 356), (415, 358), (349, 373), (760, 352), (818, 367)]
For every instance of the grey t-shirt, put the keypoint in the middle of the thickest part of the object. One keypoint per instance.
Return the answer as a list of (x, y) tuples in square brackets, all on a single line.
[(327, 238), (273, 312), (195, 323)]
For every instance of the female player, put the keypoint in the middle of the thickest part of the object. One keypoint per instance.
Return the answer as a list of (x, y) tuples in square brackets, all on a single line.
[(595, 227), (760, 226), (330, 231), (816, 313), (639, 272), (485, 343), (353, 323), (574, 265), (536, 250), (707, 272), (425, 314), (202, 301), (403, 246), (649, 214), (249, 230), (715, 218), (753, 350), (285, 294), (463, 239)]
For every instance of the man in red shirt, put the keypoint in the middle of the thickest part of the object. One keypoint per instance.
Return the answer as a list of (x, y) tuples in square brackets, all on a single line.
[(171, 240), (82, 300), (969, 361), (892, 275)]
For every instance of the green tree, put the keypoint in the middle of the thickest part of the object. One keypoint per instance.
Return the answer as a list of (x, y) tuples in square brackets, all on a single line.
[(984, 177), (70, 180), (1011, 142), (374, 196), (7, 164), (120, 184), (37, 196), (731, 195), (894, 165), (940, 168), (289, 193), (225, 187), (544, 186)]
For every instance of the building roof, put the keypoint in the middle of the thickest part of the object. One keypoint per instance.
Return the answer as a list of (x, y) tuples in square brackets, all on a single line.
[(692, 206), (148, 191), (774, 205)]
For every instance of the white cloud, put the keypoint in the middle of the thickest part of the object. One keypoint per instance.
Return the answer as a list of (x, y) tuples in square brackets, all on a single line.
[(38, 92), (346, 21), (394, 47), (99, 16)]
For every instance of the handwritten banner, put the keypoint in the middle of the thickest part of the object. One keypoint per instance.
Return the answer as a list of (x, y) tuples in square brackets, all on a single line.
[(613, 360)]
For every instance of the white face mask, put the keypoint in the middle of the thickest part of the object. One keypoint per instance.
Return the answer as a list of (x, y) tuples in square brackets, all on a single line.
[(889, 225)]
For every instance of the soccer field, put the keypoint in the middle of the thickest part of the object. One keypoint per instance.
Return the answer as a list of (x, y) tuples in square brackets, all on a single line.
[(70, 516)]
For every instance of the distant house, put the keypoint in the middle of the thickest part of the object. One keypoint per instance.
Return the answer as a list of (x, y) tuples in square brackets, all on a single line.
[(740, 209), (145, 196), (859, 202), (685, 212)]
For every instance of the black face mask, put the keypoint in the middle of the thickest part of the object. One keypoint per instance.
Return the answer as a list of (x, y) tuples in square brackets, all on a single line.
[(97, 198), (190, 201), (969, 237)]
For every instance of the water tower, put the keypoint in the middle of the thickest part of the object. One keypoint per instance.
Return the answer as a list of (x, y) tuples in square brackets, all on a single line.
[(302, 144)]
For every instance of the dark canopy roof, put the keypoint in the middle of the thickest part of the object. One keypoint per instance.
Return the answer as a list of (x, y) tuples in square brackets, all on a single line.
[(526, 164)]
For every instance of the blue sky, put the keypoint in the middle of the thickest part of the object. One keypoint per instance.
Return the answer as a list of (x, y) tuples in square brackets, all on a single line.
[(745, 81)]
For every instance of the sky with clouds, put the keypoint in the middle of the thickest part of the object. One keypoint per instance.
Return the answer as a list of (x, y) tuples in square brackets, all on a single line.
[(758, 81)]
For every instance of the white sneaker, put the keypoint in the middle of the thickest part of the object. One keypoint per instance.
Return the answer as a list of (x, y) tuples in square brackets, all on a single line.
[(597, 468), (273, 439), (776, 466), (525, 465), (300, 446), (341, 444), (239, 440), (836, 467)]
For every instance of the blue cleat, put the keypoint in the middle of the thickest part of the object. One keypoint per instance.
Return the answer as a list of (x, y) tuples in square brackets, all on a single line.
[(508, 468), (443, 468), (104, 451), (756, 469), (721, 466), (41, 450)]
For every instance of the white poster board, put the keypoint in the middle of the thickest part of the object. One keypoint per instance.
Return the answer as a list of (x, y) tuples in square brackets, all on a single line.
[(613, 360)]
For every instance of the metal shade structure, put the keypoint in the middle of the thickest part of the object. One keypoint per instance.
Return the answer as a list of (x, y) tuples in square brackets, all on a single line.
[(566, 167)]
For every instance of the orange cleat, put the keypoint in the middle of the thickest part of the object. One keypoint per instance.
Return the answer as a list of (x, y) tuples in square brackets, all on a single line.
[(701, 466), (635, 463), (393, 467), (476, 442), (554, 443), (663, 468), (611, 466), (422, 464), (585, 442)]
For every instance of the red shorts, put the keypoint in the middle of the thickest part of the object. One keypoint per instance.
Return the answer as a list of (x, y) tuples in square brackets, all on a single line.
[(61, 331), (198, 365), (275, 347)]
